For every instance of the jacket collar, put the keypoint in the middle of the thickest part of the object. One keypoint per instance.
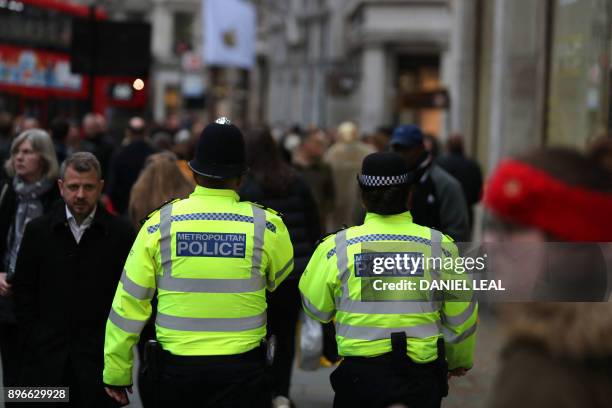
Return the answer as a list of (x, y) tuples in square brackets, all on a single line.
[(214, 192), (100, 221), (402, 218)]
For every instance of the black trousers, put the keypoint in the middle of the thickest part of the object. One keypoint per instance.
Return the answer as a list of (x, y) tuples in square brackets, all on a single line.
[(83, 379), (212, 381), (10, 352), (379, 382), (283, 310)]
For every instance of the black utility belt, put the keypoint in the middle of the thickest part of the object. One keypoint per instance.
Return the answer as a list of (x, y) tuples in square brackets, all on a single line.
[(398, 357), (256, 355), (390, 359)]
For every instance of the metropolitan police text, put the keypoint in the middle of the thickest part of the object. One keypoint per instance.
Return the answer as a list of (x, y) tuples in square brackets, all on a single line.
[(215, 244)]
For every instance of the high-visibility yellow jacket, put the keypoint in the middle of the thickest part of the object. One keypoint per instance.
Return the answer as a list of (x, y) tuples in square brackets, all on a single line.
[(349, 275), (210, 258)]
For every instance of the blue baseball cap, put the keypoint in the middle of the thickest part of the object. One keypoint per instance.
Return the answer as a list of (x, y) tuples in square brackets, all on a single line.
[(407, 136)]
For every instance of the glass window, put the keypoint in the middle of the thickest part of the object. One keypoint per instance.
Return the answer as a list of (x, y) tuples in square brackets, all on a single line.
[(183, 32), (579, 73)]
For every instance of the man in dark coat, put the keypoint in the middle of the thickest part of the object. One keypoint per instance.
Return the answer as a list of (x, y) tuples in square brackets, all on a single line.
[(127, 163), (67, 271), (97, 141), (465, 170), (437, 199)]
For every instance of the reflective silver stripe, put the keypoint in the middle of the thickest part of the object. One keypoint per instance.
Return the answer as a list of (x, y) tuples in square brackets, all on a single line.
[(194, 285), (461, 317), (342, 256), (387, 307), (165, 243), (452, 338), (128, 325), (326, 316), (224, 324), (134, 289), (283, 269), (259, 229), (380, 333), (342, 261), (436, 250)]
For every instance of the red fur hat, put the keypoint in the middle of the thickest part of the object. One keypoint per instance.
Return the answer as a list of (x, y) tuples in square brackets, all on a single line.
[(527, 195)]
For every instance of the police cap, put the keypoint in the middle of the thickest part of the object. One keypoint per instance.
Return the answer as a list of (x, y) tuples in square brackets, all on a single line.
[(384, 170), (220, 152)]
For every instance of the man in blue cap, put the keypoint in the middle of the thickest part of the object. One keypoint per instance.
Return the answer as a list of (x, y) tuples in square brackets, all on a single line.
[(437, 200)]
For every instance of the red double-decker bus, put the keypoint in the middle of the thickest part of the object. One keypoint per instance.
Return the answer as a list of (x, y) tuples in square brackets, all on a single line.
[(35, 74)]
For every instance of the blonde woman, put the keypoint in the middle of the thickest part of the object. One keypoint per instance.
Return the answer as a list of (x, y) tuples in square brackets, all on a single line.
[(28, 193), (159, 181)]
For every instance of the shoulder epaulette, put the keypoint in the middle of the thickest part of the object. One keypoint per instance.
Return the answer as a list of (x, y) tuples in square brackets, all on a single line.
[(263, 207), (172, 200), (326, 236)]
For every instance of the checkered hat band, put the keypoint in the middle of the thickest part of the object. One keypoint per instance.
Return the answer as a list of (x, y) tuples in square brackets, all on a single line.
[(382, 181)]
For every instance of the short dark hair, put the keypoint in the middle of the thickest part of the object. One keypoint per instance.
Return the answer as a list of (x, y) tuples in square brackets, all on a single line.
[(212, 182), (82, 162), (59, 129), (386, 200)]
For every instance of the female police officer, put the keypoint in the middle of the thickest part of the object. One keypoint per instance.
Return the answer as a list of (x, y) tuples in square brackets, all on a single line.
[(397, 342)]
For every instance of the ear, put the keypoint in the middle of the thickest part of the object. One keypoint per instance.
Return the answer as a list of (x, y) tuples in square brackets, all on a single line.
[(239, 181), (409, 203), (60, 185)]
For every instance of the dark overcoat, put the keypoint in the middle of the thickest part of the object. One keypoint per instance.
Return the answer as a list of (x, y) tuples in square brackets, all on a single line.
[(63, 294)]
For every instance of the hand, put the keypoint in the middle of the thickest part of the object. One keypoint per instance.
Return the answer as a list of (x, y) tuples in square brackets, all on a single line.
[(5, 287), (457, 372), (119, 394)]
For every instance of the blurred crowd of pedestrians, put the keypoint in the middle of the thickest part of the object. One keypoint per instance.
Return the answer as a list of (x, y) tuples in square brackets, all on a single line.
[(308, 175)]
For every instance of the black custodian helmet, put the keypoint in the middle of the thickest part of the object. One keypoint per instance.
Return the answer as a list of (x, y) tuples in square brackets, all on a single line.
[(220, 152)]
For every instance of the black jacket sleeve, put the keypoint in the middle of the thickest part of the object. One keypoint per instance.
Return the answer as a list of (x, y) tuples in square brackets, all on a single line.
[(311, 212)]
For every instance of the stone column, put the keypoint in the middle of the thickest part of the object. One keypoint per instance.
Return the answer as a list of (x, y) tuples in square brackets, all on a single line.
[(372, 88), (462, 78), (161, 46), (161, 37), (518, 77)]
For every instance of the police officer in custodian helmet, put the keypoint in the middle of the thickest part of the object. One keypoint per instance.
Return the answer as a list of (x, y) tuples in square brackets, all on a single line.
[(398, 339), (209, 258)]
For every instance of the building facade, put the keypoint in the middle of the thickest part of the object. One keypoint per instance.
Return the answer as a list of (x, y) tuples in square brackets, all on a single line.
[(509, 75), (177, 80), (375, 62), (532, 73)]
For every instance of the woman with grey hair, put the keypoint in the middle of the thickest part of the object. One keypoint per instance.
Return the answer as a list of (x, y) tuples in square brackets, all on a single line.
[(28, 193)]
